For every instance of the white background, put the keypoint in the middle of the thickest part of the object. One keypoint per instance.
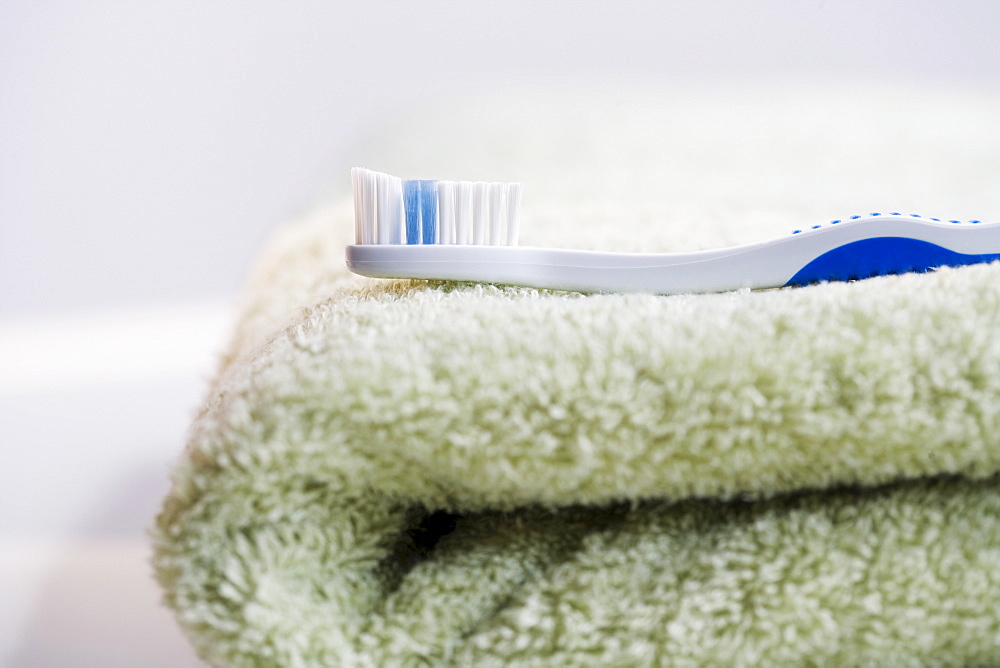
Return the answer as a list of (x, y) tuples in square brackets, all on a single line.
[(147, 149)]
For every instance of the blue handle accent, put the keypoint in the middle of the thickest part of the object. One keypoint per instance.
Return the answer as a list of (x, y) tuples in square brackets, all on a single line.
[(880, 256)]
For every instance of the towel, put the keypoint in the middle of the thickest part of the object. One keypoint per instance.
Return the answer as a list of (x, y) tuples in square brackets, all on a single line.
[(394, 472)]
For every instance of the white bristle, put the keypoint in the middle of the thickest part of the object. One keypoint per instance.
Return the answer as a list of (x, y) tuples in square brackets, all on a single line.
[(370, 206), (396, 197), (381, 207), (390, 210), (480, 213), (446, 212), (496, 237), (468, 213), (356, 191), (513, 212), (463, 213)]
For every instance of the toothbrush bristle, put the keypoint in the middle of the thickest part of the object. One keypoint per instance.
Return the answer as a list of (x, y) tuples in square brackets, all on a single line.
[(390, 210)]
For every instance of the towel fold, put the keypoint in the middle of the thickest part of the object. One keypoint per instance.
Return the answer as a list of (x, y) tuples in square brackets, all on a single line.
[(409, 472)]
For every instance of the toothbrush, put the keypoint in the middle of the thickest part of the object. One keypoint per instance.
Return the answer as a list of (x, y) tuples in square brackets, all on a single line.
[(467, 231)]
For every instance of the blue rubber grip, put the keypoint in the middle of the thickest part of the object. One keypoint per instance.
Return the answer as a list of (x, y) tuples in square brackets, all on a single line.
[(429, 211), (881, 256), (411, 207)]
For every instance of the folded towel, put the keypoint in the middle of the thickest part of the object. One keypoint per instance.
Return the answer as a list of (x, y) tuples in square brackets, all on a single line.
[(405, 472)]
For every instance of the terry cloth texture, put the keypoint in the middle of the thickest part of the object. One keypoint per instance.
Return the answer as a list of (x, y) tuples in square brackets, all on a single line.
[(414, 473)]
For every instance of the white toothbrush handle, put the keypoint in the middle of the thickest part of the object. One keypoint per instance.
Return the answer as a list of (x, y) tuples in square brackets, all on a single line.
[(767, 264)]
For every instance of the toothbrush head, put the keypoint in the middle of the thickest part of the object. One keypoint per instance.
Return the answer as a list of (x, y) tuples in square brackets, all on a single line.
[(393, 211)]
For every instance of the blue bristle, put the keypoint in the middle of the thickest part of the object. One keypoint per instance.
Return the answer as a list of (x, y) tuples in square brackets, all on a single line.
[(429, 211), (411, 207)]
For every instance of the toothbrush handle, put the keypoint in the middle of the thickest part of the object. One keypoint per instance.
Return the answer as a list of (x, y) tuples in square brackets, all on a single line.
[(859, 249)]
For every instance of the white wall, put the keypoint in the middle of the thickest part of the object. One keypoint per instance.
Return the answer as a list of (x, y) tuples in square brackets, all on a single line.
[(147, 149)]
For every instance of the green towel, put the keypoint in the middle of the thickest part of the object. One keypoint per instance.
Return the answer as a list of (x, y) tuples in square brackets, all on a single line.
[(414, 473)]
